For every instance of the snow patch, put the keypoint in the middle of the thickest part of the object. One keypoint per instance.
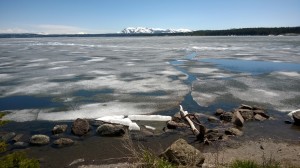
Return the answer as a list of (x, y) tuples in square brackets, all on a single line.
[(144, 30)]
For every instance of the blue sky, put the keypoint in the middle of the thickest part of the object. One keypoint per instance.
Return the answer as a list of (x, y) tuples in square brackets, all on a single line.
[(110, 16)]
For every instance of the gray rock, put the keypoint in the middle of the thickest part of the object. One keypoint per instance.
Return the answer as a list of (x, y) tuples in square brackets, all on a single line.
[(21, 144), (259, 117), (96, 123), (227, 116), (111, 130), (233, 131), (213, 136), (262, 113), (61, 142), (258, 108), (39, 139), (219, 112), (238, 120), (8, 136), (244, 106), (58, 129), (17, 138), (177, 117), (246, 114), (173, 125), (212, 119), (181, 153), (80, 127), (296, 117)]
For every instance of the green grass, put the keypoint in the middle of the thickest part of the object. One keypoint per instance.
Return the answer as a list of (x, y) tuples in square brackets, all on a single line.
[(271, 163), (3, 146), (150, 160), (18, 160), (244, 164), (2, 122)]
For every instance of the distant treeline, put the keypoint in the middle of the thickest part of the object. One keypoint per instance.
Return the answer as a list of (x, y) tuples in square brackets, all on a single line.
[(229, 32), (249, 32)]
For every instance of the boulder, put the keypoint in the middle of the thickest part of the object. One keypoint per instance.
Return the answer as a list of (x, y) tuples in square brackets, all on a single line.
[(61, 142), (39, 139), (259, 117), (17, 138), (219, 112), (7, 136), (296, 117), (21, 145), (238, 120), (246, 114), (233, 131), (227, 116), (173, 125), (181, 153), (262, 113), (80, 127), (58, 129), (111, 130)]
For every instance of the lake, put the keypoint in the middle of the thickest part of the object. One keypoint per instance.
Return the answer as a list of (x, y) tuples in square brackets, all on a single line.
[(65, 78)]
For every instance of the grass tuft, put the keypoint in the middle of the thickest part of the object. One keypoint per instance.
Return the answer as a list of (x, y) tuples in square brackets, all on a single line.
[(150, 160), (144, 158), (2, 122), (244, 164), (3, 146), (18, 159)]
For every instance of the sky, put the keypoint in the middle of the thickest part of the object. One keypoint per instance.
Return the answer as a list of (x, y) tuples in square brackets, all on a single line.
[(111, 16)]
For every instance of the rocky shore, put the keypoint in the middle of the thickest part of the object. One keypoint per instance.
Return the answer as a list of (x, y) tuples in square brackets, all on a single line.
[(215, 143)]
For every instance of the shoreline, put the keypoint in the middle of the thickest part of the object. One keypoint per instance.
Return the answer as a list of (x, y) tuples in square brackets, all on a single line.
[(98, 150)]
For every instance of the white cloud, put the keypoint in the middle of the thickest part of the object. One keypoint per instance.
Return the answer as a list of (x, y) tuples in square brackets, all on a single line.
[(13, 30), (59, 29), (54, 29)]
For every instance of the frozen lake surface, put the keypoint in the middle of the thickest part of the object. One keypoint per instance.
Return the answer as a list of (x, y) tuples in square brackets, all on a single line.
[(67, 78)]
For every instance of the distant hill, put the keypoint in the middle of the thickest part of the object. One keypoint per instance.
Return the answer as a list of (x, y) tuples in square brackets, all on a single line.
[(286, 31)]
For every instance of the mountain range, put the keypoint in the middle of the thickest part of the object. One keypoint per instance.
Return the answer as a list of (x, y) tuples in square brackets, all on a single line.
[(144, 30)]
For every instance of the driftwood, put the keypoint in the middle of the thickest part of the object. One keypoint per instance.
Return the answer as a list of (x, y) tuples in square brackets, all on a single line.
[(199, 134)]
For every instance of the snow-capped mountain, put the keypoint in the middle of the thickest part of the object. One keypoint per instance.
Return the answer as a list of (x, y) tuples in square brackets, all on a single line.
[(143, 30)]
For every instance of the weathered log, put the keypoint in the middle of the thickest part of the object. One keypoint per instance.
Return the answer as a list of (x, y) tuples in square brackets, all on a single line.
[(184, 114)]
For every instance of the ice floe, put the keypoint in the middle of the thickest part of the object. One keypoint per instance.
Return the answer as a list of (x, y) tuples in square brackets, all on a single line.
[(150, 117), (289, 74), (290, 114), (57, 68)]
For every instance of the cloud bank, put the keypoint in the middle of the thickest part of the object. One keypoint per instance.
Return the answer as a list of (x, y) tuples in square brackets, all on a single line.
[(47, 29)]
